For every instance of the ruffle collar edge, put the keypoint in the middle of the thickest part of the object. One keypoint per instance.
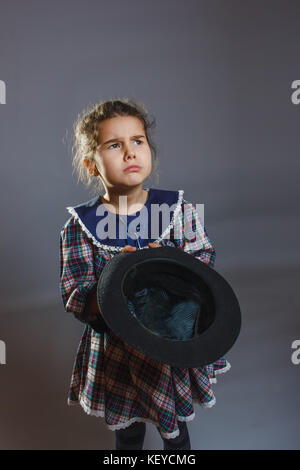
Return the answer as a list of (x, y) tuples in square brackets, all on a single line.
[(73, 212)]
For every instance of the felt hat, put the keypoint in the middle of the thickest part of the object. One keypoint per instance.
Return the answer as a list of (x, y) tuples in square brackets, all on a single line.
[(169, 305)]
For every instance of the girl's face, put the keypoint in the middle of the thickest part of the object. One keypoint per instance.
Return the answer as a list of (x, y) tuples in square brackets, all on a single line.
[(122, 143)]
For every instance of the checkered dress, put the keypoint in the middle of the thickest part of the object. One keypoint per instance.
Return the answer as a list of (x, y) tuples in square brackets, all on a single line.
[(113, 380)]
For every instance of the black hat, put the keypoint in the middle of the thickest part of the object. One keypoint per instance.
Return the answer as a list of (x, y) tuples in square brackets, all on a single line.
[(169, 305)]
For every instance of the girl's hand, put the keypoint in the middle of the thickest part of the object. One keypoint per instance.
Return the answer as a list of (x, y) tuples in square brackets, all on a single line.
[(93, 307), (128, 248)]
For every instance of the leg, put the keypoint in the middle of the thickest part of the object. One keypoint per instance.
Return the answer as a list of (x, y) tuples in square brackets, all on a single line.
[(181, 442), (132, 437)]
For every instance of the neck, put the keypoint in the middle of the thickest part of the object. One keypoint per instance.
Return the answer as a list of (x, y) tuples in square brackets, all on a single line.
[(127, 200)]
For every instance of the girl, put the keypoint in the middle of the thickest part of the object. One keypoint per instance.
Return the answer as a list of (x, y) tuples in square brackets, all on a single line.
[(110, 378)]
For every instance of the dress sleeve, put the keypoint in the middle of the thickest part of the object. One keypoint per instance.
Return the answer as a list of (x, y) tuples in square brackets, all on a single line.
[(193, 237), (77, 275)]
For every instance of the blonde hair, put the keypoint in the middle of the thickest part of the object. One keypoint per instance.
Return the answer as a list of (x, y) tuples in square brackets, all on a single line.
[(86, 135)]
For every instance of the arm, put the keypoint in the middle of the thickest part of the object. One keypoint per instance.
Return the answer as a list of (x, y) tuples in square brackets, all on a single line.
[(78, 282), (92, 311)]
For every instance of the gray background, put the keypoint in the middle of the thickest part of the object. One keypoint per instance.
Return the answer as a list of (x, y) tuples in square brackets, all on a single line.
[(217, 76)]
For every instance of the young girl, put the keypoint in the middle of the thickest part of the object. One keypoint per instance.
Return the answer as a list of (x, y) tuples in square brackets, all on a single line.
[(110, 378)]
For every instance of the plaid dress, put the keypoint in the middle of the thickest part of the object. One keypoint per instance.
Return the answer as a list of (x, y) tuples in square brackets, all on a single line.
[(111, 379)]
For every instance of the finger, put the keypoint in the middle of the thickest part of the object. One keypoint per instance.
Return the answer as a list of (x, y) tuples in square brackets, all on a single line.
[(128, 248)]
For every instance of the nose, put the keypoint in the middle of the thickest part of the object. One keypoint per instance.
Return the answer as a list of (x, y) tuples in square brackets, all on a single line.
[(129, 154)]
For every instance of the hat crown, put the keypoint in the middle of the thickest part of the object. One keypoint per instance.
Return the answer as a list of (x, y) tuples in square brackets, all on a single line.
[(168, 299)]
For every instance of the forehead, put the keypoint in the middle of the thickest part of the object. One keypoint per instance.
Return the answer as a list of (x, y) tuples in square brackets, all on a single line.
[(120, 126)]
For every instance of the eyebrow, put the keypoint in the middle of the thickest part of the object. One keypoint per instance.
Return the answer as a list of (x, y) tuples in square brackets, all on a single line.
[(116, 139)]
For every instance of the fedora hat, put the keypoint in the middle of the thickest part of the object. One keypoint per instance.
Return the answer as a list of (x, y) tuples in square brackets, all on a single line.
[(169, 305)]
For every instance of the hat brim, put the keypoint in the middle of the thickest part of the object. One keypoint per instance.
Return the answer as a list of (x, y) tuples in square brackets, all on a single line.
[(204, 349)]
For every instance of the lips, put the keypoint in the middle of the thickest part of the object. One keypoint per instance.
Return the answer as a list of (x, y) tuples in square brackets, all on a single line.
[(132, 168)]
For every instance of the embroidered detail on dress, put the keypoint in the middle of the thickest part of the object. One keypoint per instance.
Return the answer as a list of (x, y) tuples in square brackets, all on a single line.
[(220, 371), (208, 404), (72, 211), (114, 427), (176, 211), (88, 233), (224, 369)]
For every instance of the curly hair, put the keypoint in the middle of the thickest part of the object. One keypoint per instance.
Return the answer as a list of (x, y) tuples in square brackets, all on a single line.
[(86, 134)]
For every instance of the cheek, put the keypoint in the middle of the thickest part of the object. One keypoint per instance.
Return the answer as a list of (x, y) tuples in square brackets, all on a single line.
[(149, 159), (113, 169), (105, 165), (148, 155)]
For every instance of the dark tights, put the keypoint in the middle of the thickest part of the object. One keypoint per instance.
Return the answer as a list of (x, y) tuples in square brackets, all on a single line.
[(132, 437)]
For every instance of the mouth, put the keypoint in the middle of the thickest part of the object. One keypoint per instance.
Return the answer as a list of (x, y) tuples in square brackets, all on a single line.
[(132, 168)]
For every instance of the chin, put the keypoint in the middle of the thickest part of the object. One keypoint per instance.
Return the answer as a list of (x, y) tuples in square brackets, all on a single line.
[(136, 176)]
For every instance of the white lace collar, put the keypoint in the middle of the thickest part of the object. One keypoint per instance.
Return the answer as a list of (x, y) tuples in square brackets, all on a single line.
[(85, 214)]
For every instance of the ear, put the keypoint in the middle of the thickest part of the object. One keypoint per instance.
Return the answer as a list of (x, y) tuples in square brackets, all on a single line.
[(91, 167), (86, 163)]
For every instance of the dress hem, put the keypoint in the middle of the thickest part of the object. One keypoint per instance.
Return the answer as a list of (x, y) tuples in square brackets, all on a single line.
[(114, 427)]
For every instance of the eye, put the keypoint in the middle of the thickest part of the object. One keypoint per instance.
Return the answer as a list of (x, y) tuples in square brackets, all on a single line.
[(112, 145), (117, 143)]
